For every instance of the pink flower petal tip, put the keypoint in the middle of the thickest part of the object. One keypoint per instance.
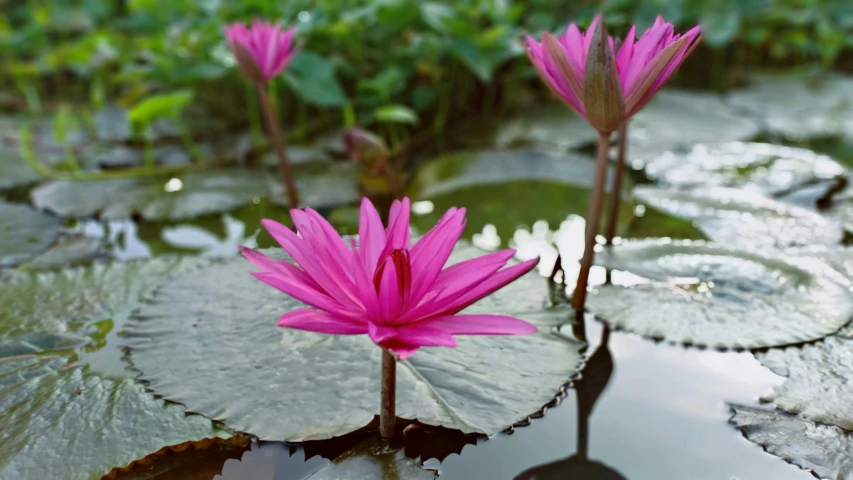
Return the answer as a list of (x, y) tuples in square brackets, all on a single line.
[(262, 50), (397, 293)]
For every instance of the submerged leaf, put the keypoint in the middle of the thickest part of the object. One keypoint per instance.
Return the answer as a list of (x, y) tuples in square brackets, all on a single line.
[(24, 232), (209, 340), (825, 450), (75, 426), (740, 218), (156, 198), (718, 297)]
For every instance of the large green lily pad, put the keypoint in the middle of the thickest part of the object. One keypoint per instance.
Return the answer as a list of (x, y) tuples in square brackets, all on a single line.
[(159, 198), (374, 459), (735, 217), (798, 107), (817, 386), (321, 188), (825, 450), (676, 120), (209, 340), (713, 296), (59, 422), (25, 232), (14, 171), (764, 168), (550, 128)]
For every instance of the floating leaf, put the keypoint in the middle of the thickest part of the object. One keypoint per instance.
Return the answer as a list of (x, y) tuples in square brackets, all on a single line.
[(75, 426), (330, 188), (551, 128), (201, 460), (112, 124), (816, 387), (676, 119), (374, 459), (760, 167), (796, 108), (158, 198), (25, 232), (823, 449), (14, 171), (69, 250), (712, 296), (209, 340), (735, 217)]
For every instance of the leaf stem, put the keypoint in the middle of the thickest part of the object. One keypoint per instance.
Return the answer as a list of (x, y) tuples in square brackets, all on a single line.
[(388, 411), (278, 144), (592, 221)]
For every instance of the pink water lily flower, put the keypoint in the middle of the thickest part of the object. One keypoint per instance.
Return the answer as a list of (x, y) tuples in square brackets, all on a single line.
[(643, 66), (262, 50), (397, 293)]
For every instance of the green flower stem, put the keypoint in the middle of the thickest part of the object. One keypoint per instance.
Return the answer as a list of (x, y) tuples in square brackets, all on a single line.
[(616, 188)]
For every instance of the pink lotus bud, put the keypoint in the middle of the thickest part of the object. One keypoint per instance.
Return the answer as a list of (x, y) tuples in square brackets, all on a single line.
[(364, 147), (263, 50), (602, 92)]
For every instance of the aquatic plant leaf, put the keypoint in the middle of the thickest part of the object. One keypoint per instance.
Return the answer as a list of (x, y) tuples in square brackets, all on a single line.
[(69, 250), (817, 386), (58, 422), (798, 107), (825, 450), (676, 120), (332, 187), (209, 340), (24, 232), (158, 198), (707, 295), (374, 459), (51, 302), (736, 217), (14, 172), (763, 168), (195, 460), (551, 128)]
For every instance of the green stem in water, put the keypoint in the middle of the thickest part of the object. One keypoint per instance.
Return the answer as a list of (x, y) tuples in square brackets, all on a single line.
[(592, 221), (278, 144), (616, 187), (388, 408)]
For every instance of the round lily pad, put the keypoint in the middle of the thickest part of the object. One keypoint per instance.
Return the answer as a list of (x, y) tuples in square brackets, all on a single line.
[(706, 295), (817, 386), (825, 450), (799, 107), (69, 250), (58, 422), (552, 128), (25, 232), (760, 167), (14, 171), (209, 340), (676, 120), (323, 188), (159, 198), (734, 217), (374, 459)]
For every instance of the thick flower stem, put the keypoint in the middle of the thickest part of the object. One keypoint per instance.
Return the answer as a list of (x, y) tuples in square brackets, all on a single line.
[(278, 144), (616, 188), (592, 221), (388, 411)]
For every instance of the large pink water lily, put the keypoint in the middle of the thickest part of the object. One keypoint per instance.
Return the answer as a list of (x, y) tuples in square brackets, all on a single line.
[(262, 50), (643, 66), (398, 293)]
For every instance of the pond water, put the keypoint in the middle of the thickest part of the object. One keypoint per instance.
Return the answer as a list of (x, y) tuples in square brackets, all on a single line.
[(638, 409)]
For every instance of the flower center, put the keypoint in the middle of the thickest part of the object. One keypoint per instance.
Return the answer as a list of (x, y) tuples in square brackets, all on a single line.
[(399, 258)]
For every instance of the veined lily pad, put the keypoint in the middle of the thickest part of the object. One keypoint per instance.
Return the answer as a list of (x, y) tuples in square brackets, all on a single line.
[(823, 449), (159, 198), (718, 297), (209, 340), (764, 168), (790, 106), (371, 459), (552, 128), (817, 387), (675, 120), (69, 250), (75, 426), (25, 232), (734, 217), (330, 187)]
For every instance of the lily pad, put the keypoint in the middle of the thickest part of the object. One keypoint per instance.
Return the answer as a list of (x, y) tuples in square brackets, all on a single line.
[(58, 422), (552, 128), (14, 172), (797, 107), (816, 387), (760, 167), (676, 120), (209, 340), (459, 170), (25, 232), (374, 459), (327, 187), (823, 449), (159, 198), (69, 250), (62, 302), (735, 217), (706, 295)]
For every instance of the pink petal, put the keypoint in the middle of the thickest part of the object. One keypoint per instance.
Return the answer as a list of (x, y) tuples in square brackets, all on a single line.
[(425, 336), (481, 325), (282, 267), (402, 350), (371, 235), (497, 281), (307, 295), (320, 322), (430, 254), (390, 300), (363, 285), (398, 227), (380, 333), (625, 54)]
